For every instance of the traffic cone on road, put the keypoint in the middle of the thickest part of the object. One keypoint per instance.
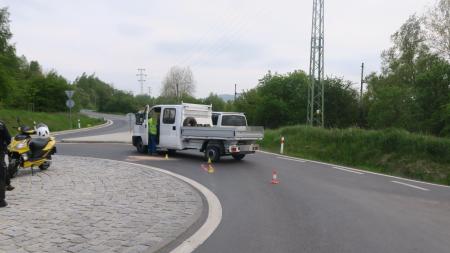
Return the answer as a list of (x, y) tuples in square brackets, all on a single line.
[(275, 177), (210, 169)]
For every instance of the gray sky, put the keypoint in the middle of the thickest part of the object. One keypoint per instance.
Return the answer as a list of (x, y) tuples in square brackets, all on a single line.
[(223, 41)]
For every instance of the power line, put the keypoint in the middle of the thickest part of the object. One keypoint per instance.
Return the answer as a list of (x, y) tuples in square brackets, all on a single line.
[(315, 110), (141, 75)]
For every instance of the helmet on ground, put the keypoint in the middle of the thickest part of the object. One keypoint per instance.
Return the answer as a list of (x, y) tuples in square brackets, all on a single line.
[(42, 131)]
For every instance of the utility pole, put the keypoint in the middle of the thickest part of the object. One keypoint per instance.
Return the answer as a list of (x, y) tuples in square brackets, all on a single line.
[(141, 75), (235, 92), (149, 91), (361, 114), (315, 109), (362, 82)]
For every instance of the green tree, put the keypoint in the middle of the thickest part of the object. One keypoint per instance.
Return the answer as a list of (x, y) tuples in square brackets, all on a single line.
[(97, 91), (437, 23), (217, 103), (9, 63), (432, 93), (400, 59), (50, 96), (412, 91), (121, 102), (390, 105), (341, 103), (277, 100)]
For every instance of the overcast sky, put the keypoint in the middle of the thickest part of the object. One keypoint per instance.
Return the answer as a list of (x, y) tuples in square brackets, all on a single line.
[(223, 41)]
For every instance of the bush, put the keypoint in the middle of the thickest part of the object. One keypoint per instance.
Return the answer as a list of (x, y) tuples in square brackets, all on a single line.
[(391, 151)]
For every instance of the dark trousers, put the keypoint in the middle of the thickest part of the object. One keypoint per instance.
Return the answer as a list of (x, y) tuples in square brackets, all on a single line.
[(151, 144), (4, 179)]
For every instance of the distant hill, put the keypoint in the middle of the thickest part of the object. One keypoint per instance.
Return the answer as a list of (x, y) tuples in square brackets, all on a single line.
[(227, 97)]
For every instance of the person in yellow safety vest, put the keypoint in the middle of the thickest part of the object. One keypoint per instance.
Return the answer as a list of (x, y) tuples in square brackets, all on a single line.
[(152, 132)]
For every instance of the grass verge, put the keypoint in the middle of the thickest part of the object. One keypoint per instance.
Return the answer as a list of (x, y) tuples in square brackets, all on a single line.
[(55, 121), (394, 152)]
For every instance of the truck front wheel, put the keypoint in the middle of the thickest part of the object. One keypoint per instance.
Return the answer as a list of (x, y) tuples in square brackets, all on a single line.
[(213, 153), (141, 148)]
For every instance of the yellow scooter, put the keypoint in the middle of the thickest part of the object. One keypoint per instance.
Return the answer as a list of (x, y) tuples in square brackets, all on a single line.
[(27, 152)]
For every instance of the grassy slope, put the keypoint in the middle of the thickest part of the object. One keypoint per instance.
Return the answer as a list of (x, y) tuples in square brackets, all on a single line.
[(55, 121), (390, 151)]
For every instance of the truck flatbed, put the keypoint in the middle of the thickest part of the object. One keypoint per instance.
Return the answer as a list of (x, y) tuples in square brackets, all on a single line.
[(223, 133)]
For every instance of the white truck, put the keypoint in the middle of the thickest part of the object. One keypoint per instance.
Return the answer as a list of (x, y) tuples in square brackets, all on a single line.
[(190, 126)]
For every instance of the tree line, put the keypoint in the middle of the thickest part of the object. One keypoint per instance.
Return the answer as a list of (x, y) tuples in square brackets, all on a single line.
[(412, 90)]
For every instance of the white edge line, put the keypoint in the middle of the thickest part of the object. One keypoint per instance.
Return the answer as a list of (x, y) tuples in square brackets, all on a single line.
[(214, 210), (410, 185), (352, 171), (365, 171), (290, 159), (107, 124)]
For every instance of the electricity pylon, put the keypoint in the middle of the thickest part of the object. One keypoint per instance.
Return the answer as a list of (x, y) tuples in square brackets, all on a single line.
[(141, 79), (315, 111)]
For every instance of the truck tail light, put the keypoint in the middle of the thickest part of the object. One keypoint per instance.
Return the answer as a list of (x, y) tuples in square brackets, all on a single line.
[(234, 149)]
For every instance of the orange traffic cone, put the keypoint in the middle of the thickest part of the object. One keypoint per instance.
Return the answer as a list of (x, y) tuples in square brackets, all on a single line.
[(210, 169), (275, 177)]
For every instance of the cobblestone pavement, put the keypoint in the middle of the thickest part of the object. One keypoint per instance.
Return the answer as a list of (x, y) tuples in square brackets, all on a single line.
[(93, 205)]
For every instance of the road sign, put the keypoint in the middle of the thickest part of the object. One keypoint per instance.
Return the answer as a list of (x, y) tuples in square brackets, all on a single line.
[(69, 94), (70, 103)]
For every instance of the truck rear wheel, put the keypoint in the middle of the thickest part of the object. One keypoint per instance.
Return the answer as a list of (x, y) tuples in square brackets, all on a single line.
[(238, 157), (213, 153)]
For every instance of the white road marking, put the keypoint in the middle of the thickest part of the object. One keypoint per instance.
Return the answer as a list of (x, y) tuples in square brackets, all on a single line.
[(368, 172), (352, 171), (410, 185), (148, 158), (107, 124), (290, 159), (80, 143), (214, 211)]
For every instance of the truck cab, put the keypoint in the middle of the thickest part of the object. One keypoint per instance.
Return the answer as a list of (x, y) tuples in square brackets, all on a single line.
[(170, 118)]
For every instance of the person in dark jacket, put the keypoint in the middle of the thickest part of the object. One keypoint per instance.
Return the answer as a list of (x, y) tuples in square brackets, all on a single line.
[(5, 184)]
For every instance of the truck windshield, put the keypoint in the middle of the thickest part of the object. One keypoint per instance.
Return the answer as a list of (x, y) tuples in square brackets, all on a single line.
[(233, 120)]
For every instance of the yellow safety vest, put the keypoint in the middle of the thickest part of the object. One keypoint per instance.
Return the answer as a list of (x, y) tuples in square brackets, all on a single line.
[(151, 126)]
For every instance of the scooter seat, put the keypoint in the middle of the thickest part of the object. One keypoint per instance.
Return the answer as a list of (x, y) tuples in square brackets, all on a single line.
[(38, 144)]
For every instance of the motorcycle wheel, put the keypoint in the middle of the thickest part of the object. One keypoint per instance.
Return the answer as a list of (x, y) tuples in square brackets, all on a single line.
[(44, 166), (13, 168)]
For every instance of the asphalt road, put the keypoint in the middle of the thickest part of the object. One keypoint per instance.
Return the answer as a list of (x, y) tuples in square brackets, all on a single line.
[(120, 124), (315, 208)]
